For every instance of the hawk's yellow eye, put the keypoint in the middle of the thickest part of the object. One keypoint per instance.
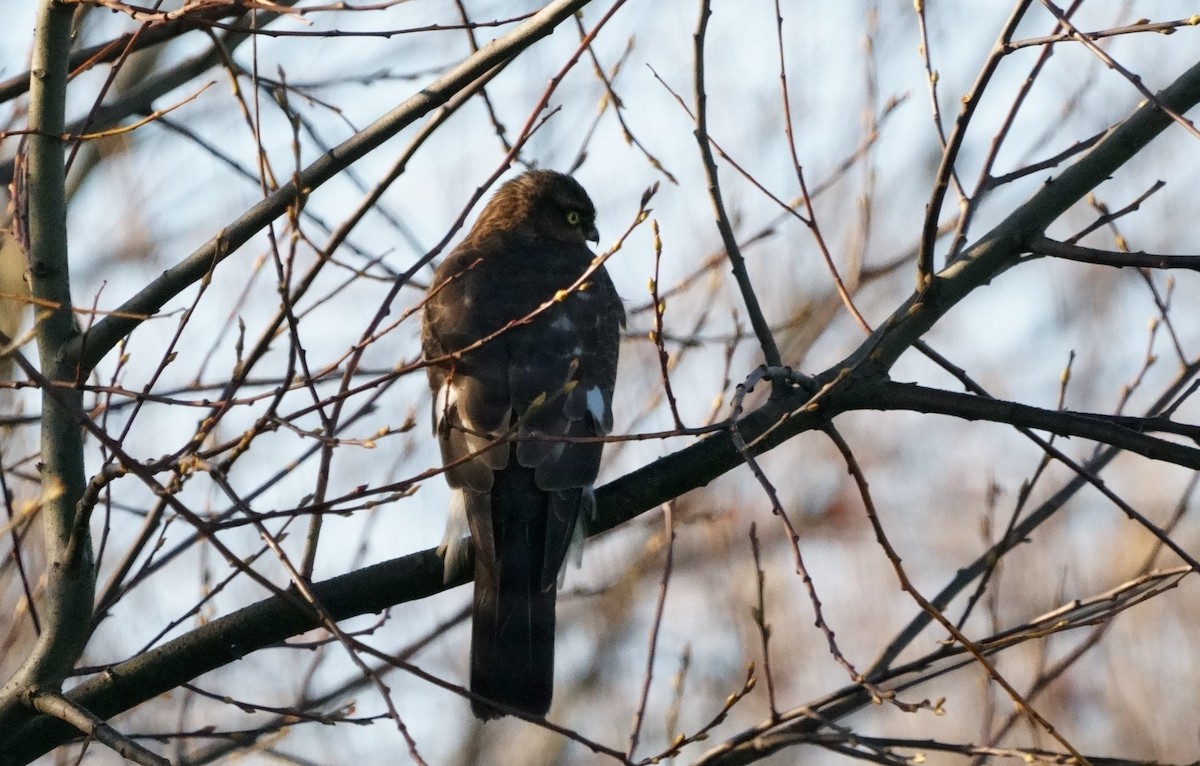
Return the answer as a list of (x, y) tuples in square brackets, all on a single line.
[(573, 217)]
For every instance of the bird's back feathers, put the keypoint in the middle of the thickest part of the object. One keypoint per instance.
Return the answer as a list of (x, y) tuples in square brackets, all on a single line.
[(523, 364)]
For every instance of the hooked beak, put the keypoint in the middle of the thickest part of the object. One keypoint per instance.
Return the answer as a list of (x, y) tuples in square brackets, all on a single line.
[(592, 235)]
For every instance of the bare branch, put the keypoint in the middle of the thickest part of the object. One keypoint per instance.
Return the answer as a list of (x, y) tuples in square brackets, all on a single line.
[(101, 339), (64, 709), (999, 248), (762, 329), (71, 579), (1141, 260)]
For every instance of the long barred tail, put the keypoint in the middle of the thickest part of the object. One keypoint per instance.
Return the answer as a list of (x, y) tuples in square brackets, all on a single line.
[(512, 643)]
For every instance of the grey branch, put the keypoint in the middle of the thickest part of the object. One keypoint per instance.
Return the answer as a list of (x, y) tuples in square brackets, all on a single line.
[(64, 709), (92, 347), (70, 575), (1056, 249)]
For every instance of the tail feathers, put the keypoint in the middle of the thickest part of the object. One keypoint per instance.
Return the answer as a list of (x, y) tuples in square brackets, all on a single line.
[(512, 641), (512, 649)]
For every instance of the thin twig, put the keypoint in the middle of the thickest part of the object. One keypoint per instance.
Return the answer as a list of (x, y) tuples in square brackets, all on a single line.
[(760, 621), (656, 334), (659, 608), (762, 329), (1111, 63), (906, 585), (953, 145)]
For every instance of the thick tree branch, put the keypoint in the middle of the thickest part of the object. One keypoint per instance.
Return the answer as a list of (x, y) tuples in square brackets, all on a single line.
[(793, 411), (1000, 248), (70, 575), (228, 639), (373, 589), (419, 575), (107, 332)]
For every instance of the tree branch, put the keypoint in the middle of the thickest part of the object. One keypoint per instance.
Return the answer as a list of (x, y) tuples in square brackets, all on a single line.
[(85, 721), (1050, 247), (886, 395), (108, 331), (139, 99), (792, 412), (419, 575), (145, 37), (229, 638), (70, 575), (762, 330), (1000, 247)]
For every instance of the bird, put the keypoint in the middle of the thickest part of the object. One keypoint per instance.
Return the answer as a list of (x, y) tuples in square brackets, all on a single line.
[(521, 333)]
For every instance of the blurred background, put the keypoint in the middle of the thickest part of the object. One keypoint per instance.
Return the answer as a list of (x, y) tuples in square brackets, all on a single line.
[(203, 133)]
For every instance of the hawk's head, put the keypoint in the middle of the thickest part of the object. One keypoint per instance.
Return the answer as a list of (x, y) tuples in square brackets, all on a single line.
[(543, 203)]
